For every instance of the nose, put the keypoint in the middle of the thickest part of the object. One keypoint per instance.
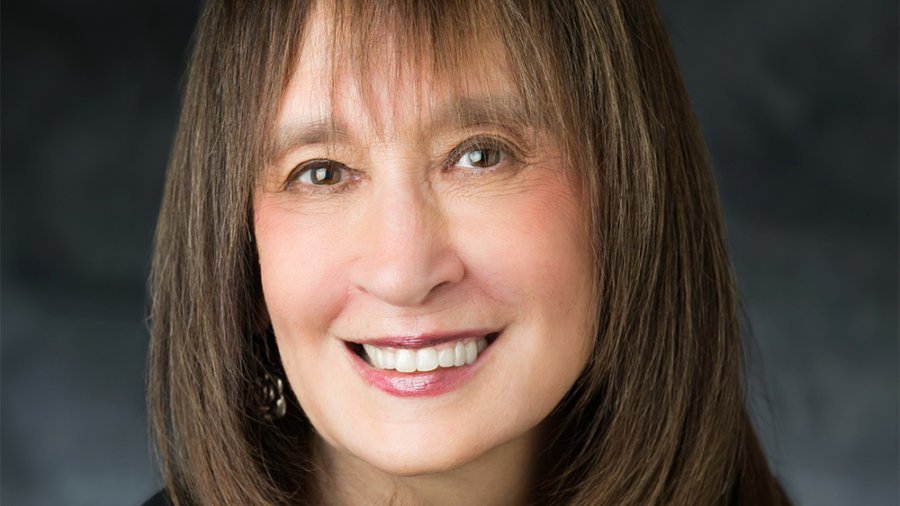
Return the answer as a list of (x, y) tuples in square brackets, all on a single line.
[(406, 254)]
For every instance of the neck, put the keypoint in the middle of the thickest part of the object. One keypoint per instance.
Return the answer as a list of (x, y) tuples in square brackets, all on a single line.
[(503, 476)]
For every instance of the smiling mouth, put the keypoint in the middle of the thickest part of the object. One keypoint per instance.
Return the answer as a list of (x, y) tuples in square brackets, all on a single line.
[(447, 354)]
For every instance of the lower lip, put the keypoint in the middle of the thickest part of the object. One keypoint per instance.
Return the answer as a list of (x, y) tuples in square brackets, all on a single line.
[(417, 384)]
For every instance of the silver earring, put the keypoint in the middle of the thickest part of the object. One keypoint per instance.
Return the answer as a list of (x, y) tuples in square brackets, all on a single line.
[(270, 402), (272, 405)]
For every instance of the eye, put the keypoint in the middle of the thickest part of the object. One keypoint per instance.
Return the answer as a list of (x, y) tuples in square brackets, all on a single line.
[(479, 154), (319, 173), (480, 158)]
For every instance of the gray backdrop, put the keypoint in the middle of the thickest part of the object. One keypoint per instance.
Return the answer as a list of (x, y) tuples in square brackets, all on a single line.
[(799, 103)]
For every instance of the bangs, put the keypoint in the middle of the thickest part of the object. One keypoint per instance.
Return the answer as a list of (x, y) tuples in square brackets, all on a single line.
[(457, 46)]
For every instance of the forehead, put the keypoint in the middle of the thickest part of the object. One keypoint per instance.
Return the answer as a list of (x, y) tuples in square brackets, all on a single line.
[(392, 87)]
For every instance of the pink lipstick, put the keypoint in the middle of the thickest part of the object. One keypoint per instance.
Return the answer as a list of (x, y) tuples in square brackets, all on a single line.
[(423, 365)]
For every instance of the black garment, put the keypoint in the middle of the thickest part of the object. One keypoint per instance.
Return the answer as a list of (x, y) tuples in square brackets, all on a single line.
[(158, 500)]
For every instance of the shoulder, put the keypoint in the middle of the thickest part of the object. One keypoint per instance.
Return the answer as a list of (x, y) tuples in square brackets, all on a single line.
[(158, 499)]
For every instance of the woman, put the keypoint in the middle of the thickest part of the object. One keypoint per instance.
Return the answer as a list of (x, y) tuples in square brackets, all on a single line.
[(444, 253)]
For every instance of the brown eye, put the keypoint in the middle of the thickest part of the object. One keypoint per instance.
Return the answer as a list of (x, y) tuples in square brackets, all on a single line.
[(480, 158), (321, 173)]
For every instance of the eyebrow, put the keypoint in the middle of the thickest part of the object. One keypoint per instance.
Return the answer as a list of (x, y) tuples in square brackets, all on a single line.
[(467, 112), (460, 113), (296, 135)]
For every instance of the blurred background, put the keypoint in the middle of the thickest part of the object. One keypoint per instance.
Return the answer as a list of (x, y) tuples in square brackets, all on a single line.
[(799, 103)]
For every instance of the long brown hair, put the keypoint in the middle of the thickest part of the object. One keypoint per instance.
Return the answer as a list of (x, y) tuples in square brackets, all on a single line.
[(657, 417)]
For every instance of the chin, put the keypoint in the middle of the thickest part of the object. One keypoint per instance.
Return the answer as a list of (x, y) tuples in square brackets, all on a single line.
[(415, 459)]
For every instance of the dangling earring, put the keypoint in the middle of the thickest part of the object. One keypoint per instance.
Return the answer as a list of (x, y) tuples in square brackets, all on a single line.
[(271, 403)]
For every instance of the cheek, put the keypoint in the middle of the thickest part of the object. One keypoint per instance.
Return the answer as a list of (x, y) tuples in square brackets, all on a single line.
[(531, 253), (530, 247), (304, 288), (299, 261)]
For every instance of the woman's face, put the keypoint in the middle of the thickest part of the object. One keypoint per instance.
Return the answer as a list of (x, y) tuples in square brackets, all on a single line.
[(441, 233)]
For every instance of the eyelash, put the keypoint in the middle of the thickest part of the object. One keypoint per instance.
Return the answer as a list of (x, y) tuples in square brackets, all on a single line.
[(506, 153)]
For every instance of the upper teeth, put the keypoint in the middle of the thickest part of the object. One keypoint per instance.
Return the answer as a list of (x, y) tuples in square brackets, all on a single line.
[(452, 354)]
